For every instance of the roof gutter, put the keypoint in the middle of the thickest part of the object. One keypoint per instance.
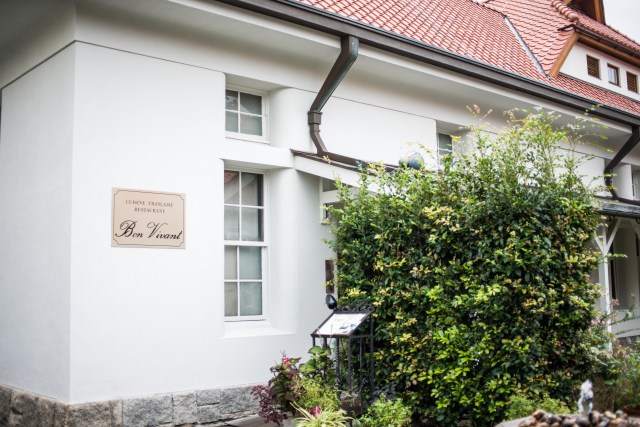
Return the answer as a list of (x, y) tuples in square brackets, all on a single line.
[(600, 38), (608, 170), (331, 23), (348, 55)]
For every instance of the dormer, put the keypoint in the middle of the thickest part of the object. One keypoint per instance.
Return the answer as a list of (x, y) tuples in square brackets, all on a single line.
[(594, 9)]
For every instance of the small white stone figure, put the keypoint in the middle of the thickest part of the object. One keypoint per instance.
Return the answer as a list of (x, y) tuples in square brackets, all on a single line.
[(585, 403)]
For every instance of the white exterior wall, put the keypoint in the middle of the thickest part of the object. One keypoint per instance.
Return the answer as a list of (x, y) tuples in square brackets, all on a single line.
[(151, 320), (35, 225), (576, 66), (140, 105), (55, 29)]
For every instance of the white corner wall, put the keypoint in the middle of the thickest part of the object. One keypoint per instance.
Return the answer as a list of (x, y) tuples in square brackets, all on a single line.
[(35, 225), (145, 320)]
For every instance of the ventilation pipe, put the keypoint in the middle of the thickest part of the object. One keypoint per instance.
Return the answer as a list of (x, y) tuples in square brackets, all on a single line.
[(608, 170), (348, 55)]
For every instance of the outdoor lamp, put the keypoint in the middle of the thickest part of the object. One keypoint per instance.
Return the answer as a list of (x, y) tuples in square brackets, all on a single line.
[(331, 302)]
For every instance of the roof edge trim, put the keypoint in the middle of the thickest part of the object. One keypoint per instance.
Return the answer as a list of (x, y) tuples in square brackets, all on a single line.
[(331, 23), (524, 45)]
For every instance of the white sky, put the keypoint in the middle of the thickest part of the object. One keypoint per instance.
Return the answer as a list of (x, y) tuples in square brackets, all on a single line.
[(624, 16)]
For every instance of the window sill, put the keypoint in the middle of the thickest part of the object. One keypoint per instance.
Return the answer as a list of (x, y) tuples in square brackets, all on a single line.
[(247, 137), (251, 328)]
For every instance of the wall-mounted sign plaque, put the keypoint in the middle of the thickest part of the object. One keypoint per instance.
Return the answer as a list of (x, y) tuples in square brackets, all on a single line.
[(147, 219)]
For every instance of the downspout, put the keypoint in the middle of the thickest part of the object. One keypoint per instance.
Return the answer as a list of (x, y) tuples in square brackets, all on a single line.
[(608, 170), (348, 55)]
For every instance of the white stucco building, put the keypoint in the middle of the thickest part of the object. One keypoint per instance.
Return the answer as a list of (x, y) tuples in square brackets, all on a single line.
[(207, 102)]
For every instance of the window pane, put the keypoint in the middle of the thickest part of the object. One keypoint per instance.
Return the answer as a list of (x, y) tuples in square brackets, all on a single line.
[(250, 103), (613, 75), (250, 299), (230, 262), (231, 187), (444, 143), (230, 299), (251, 125), (250, 263), (251, 189), (251, 224), (232, 100), (231, 223), (231, 122)]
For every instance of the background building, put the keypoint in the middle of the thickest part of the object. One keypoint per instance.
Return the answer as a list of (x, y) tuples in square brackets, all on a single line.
[(200, 109)]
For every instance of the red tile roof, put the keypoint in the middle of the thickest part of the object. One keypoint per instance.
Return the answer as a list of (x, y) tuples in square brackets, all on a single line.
[(438, 23), (478, 30)]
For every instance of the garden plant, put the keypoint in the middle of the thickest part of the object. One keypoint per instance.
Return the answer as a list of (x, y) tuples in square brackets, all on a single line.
[(479, 273)]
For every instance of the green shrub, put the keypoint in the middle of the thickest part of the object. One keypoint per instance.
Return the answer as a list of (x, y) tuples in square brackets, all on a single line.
[(478, 275), (320, 365), (619, 385), (387, 413), (321, 418), (520, 407), (313, 392)]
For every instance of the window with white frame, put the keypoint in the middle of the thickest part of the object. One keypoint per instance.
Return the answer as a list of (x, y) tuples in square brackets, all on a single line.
[(245, 245), (445, 146), (245, 113), (614, 74)]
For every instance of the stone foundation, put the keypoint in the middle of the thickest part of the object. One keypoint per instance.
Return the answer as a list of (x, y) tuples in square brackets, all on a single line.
[(192, 408)]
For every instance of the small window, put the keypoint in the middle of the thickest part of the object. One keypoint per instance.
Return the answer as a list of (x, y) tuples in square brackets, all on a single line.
[(244, 113), (632, 82), (614, 74), (593, 67), (445, 146), (245, 247)]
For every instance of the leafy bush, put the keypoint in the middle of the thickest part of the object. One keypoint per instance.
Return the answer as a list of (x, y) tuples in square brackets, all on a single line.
[(387, 413), (619, 385), (322, 418), (285, 376), (269, 410), (520, 407), (313, 392), (320, 365), (292, 386), (479, 275), (276, 398)]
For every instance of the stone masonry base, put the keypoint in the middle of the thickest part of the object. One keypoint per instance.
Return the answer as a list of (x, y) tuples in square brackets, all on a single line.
[(192, 408)]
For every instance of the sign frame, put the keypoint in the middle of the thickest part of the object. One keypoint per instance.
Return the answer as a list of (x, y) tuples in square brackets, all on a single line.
[(147, 219)]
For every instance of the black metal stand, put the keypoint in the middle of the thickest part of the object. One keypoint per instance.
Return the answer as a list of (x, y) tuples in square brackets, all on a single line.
[(348, 331)]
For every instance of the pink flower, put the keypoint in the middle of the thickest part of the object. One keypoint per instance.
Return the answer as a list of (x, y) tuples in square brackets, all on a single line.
[(316, 411)]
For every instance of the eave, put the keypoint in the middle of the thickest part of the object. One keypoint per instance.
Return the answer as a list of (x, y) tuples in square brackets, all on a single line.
[(331, 23)]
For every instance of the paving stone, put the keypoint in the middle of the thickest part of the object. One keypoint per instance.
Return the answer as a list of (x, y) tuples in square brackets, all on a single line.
[(5, 405), (208, 397), (95, 414), (238, 401), (61, 415), (147, 411), (208, 414), (24, 410), (45, 411), (185, 409)]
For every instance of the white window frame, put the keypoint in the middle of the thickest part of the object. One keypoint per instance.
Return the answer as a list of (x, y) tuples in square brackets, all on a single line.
[(616, 73), (264, 244), (265, 114), (443, 151)]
